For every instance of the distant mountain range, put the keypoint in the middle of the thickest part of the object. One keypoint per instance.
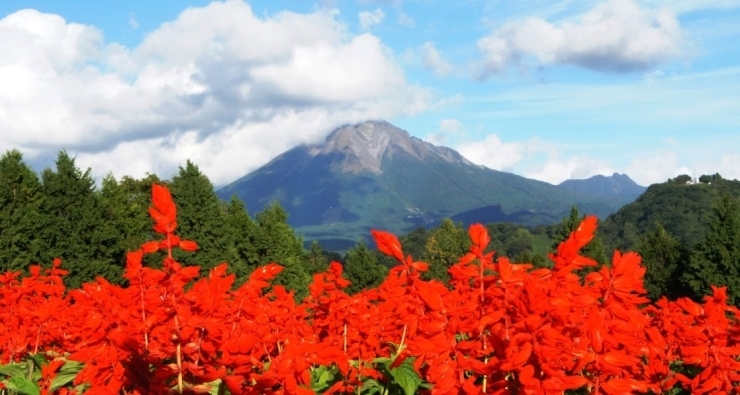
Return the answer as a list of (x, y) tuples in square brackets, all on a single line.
[(375, 175), (614, 185)]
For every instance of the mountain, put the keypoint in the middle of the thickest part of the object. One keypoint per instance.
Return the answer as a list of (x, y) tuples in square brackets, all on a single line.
[(680, 206), (375, 175), (614, 185)]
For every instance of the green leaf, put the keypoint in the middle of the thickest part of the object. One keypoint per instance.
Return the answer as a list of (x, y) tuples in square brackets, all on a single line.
[(372, 387), (383, 361), (406, 377), (12, 370), (66, 374), (39, 360), (214, 386), (322, 378), (21, 385), (326, 377)]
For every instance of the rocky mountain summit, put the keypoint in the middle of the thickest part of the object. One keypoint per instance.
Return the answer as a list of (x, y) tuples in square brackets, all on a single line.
[(375, 175)]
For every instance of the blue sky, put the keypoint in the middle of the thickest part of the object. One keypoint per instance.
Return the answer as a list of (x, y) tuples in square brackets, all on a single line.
[(547, 89)]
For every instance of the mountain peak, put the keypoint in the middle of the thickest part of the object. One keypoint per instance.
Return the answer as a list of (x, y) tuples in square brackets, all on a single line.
[(364, 146), (614, 185)]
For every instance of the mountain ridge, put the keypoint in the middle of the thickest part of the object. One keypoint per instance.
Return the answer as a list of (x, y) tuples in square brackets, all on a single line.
[(615, 185), (375, 175)]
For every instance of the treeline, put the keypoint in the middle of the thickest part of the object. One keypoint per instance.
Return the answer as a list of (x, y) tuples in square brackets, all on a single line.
[(688, 234), (62, 213)]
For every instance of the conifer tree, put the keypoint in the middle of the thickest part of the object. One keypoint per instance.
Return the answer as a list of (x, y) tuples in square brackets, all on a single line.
[(244, 257), (661, 256), (20, 201), (276, 241), (446, 244), (71, 224), (125, 206), (200, 217), (716, 260), (317, 258), (363, 269)]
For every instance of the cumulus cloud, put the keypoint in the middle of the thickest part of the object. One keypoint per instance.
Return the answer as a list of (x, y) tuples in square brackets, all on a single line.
[(657, 167), (132, 22), (218, 85), (550, 162), (447, 128), (368, 19), (614, 36), (496, 154), (556, 170), (405, 20), (433, 60), (729, 167)]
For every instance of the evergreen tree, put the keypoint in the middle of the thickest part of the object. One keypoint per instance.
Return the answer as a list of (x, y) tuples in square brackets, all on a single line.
[(20, 201), (72, 221), (716, 260), (125, 207), (318, 260), (276, 241), (200, 217), (244, 256), (445, 246), (294, 277), (363, 269), (661, 256)]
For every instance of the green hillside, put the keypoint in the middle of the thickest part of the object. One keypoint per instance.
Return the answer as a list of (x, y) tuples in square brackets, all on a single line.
[(681, 207)]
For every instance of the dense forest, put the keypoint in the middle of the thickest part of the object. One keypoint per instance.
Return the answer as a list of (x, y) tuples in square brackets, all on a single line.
[(688, 233)]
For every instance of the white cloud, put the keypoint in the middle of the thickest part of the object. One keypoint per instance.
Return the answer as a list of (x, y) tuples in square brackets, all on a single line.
[(556, 170), (433, 60), (614, 36), (405, 20), (525, 158), (368, 19), (657, 167), (495, 154), (132, 22), (219, 85), (684, 6), (729, 167), (451, 126), (447, 128)]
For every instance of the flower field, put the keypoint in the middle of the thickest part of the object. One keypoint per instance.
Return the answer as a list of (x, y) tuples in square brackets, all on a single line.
[(495, 328)]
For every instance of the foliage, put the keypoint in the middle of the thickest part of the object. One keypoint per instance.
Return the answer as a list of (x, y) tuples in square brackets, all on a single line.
[(362, 269), (494, 327), (682, 209), (20, 200), (201, 217), (443, 247), (662, 256), (716, 261), (71, 225)]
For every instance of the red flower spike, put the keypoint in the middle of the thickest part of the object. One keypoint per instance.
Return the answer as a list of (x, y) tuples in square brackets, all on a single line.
[(388, 244), (585, 231), (187, 245), (479, 236), (150, 246), (531, 332)]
